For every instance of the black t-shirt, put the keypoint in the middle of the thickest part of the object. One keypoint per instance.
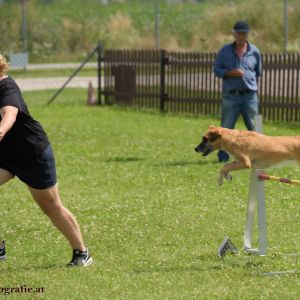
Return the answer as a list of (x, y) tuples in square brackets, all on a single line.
[(26, 139)]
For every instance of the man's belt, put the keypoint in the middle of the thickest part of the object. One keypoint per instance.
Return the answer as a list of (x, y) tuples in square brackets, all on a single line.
[(237, 92)]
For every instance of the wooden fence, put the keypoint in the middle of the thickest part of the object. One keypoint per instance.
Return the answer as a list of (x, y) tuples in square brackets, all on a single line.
[(185, 82)]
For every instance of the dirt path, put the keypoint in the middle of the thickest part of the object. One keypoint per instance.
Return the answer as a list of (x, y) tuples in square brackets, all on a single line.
[(34, 84)]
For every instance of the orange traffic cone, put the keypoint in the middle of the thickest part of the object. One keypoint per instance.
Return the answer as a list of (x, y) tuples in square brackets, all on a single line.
[(91, 99)]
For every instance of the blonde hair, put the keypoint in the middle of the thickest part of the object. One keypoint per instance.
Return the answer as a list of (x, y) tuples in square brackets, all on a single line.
[(3, 65)]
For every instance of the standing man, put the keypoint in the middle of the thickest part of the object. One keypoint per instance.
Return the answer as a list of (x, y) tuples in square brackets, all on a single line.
[(239, 65)]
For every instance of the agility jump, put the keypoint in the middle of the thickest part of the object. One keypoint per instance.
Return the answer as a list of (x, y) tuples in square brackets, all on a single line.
[(274, 178), (256, 194), (256, 199)]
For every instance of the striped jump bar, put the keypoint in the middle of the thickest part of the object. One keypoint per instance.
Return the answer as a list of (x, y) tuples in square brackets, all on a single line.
[(274, 178)]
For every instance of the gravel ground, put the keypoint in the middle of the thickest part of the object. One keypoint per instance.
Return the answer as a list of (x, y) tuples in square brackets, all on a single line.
[(56, 66), (34, 84)]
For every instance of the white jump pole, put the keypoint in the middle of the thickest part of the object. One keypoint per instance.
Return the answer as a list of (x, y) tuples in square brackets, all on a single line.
[(256, 197)]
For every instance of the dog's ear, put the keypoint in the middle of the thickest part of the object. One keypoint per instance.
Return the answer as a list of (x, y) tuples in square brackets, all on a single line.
[(214, 133), (213, 136)]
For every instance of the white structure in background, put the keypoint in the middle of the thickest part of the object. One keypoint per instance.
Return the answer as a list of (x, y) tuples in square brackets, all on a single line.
[(256, 201), (18, 60)]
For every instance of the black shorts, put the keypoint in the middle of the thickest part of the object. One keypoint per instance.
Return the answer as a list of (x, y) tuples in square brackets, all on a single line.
[(40, 175)]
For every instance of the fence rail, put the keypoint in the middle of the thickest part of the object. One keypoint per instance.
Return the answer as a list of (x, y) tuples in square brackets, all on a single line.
[(185, 82)]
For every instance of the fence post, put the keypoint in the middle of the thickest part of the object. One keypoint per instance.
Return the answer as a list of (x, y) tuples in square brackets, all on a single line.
[(100, 60), (162, 79)]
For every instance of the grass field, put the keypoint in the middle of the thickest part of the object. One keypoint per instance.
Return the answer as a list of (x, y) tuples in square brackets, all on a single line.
[(150, 212)]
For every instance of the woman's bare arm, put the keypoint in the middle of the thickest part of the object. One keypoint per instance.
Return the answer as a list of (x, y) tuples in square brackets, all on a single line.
[(8, 118)]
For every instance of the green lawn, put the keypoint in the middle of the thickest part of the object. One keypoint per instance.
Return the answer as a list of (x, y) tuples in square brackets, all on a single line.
[(149, 209)]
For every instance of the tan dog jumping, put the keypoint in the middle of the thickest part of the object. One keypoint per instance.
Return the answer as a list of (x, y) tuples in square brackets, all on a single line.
[(249, 149)]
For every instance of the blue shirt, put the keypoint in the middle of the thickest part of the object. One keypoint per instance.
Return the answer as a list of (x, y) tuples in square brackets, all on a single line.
[(250, 63)]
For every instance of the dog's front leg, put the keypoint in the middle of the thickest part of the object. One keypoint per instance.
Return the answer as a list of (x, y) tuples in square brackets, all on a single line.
[(221, 178), (243, 163), (225, 175)]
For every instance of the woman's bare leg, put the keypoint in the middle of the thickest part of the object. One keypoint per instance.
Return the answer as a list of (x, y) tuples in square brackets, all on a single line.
[(50, 203), (4, 177)]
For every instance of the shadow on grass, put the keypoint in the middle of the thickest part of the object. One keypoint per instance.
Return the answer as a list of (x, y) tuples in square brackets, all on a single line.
[(217, 266), (203, 263), (179, 163), (123, 159), (161, 269), (250, 265), (182, 163)]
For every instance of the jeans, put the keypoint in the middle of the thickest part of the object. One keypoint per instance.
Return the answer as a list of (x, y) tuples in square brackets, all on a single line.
[(234, 105)]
